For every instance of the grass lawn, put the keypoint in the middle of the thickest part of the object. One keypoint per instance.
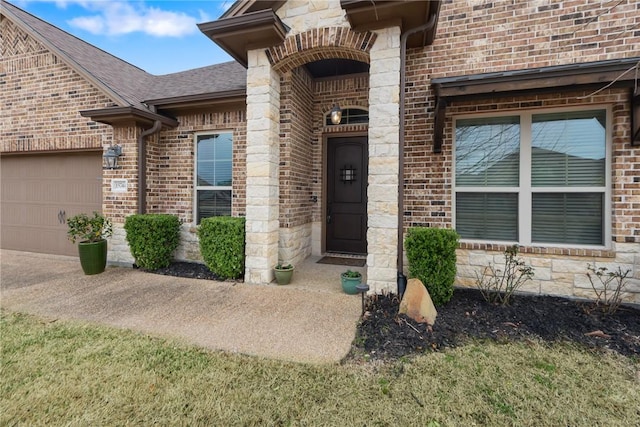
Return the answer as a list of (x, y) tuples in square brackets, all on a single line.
[(67, 373)]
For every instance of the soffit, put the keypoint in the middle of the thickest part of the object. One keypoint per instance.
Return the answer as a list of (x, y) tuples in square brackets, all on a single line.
[(365, 15), (600, 74), (242, 7), (252, 24), (205, 101), (253, 30), (124, 115)]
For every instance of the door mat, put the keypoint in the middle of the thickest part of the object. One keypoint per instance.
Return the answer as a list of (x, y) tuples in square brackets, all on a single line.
[(352, 262)]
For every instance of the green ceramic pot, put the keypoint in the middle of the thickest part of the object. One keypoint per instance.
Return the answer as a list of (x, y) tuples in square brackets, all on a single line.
[(93, 256), (349, 284), (283, 276)]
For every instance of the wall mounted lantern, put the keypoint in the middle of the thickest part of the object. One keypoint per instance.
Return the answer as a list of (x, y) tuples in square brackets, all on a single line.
[(336, 115), (348, 174), (111, 156)]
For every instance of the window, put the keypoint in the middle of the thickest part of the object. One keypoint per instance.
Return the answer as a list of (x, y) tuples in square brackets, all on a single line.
[(214, 153), (533, 178), (350, 116)]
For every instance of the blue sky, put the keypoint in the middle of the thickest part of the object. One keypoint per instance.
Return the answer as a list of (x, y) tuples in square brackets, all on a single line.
[(158, 36)]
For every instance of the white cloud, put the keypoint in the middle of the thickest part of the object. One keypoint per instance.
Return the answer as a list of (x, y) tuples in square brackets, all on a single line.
[(121, 17)]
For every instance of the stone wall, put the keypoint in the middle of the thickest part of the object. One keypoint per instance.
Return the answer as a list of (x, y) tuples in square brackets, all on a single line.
[(263, 158), (563, 275), (384, 130)]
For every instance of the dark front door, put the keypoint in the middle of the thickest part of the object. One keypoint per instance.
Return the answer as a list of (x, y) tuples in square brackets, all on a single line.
[(346, 228)]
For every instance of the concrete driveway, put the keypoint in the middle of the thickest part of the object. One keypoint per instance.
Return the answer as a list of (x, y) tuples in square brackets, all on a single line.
[(281, 322)]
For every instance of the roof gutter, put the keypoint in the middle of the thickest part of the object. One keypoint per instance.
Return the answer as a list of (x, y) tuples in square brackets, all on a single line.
[(402, 279), (142, 165)]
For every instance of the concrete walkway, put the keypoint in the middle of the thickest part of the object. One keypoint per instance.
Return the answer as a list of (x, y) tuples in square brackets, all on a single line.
[(281, 322)]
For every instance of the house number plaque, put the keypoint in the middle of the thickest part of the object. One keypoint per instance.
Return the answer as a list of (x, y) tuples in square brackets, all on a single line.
[(119, 185)]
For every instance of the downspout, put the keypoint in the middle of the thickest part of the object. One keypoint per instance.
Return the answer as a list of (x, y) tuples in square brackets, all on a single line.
[(142, 166), (402, 279)]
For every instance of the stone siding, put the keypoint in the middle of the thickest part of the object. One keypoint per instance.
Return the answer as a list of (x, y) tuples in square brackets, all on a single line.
[(384, 131), (263, 158), (563, 275), (305, 15)]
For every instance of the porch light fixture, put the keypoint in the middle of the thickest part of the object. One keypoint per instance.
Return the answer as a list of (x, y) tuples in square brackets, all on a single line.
[(111, 157), (348, 174), (336, 115)]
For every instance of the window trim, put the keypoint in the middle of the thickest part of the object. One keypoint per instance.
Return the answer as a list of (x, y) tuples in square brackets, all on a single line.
[(197, 187), (345, 117), (525, 188)]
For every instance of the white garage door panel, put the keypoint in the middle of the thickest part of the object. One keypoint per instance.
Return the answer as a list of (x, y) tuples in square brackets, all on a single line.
[(40, 191)]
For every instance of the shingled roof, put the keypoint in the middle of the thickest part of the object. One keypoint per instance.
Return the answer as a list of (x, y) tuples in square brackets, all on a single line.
[(126, 84), (228, 76)]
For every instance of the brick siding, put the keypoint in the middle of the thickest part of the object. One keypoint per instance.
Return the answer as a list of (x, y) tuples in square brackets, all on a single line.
[(170, 162), (44, 96), (480, 37)]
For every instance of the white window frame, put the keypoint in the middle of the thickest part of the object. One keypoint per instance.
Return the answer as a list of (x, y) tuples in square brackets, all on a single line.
[(197, 187), (525, 189)]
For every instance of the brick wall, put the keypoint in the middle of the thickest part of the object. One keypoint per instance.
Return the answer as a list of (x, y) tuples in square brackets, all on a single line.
[(296, 150), (509, 35), (493, 36), (170, 162), (497, 35), (44, 96), (118, 206)]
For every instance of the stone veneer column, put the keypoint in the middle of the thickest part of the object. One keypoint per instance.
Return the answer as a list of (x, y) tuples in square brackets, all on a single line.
[(382, 193), (263, 128)]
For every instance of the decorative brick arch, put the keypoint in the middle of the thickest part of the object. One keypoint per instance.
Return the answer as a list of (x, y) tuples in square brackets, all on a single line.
[(320, 43)]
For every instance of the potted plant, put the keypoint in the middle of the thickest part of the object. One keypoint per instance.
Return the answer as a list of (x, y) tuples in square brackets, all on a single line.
[(91, 232), (283, 273), (350, 279)]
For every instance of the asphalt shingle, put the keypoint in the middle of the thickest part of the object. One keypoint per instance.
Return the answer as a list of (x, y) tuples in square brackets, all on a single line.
[(132, 84)]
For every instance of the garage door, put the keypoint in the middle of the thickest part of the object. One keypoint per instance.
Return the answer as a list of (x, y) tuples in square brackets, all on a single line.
[(39, 192)]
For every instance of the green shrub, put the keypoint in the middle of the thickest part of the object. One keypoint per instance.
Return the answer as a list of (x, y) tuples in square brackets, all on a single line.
[(222, 245), (432, 259), (152, 239)]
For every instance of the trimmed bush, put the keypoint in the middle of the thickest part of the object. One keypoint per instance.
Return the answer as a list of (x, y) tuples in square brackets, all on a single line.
[(432, 259), (152, 239), (222, 245)]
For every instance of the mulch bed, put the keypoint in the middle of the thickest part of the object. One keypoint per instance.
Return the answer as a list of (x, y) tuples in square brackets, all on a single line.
[(385, 334), (191, 270)]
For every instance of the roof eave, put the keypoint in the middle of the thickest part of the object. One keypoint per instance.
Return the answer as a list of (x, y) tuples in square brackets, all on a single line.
[(242, 7), (600, 72), (228, 97), (610, 73), (366, 15), (122, 115), (254, 30)]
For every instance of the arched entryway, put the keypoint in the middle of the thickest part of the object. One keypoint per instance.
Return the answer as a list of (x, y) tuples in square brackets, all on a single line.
[(319, 212), (291, 148)]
